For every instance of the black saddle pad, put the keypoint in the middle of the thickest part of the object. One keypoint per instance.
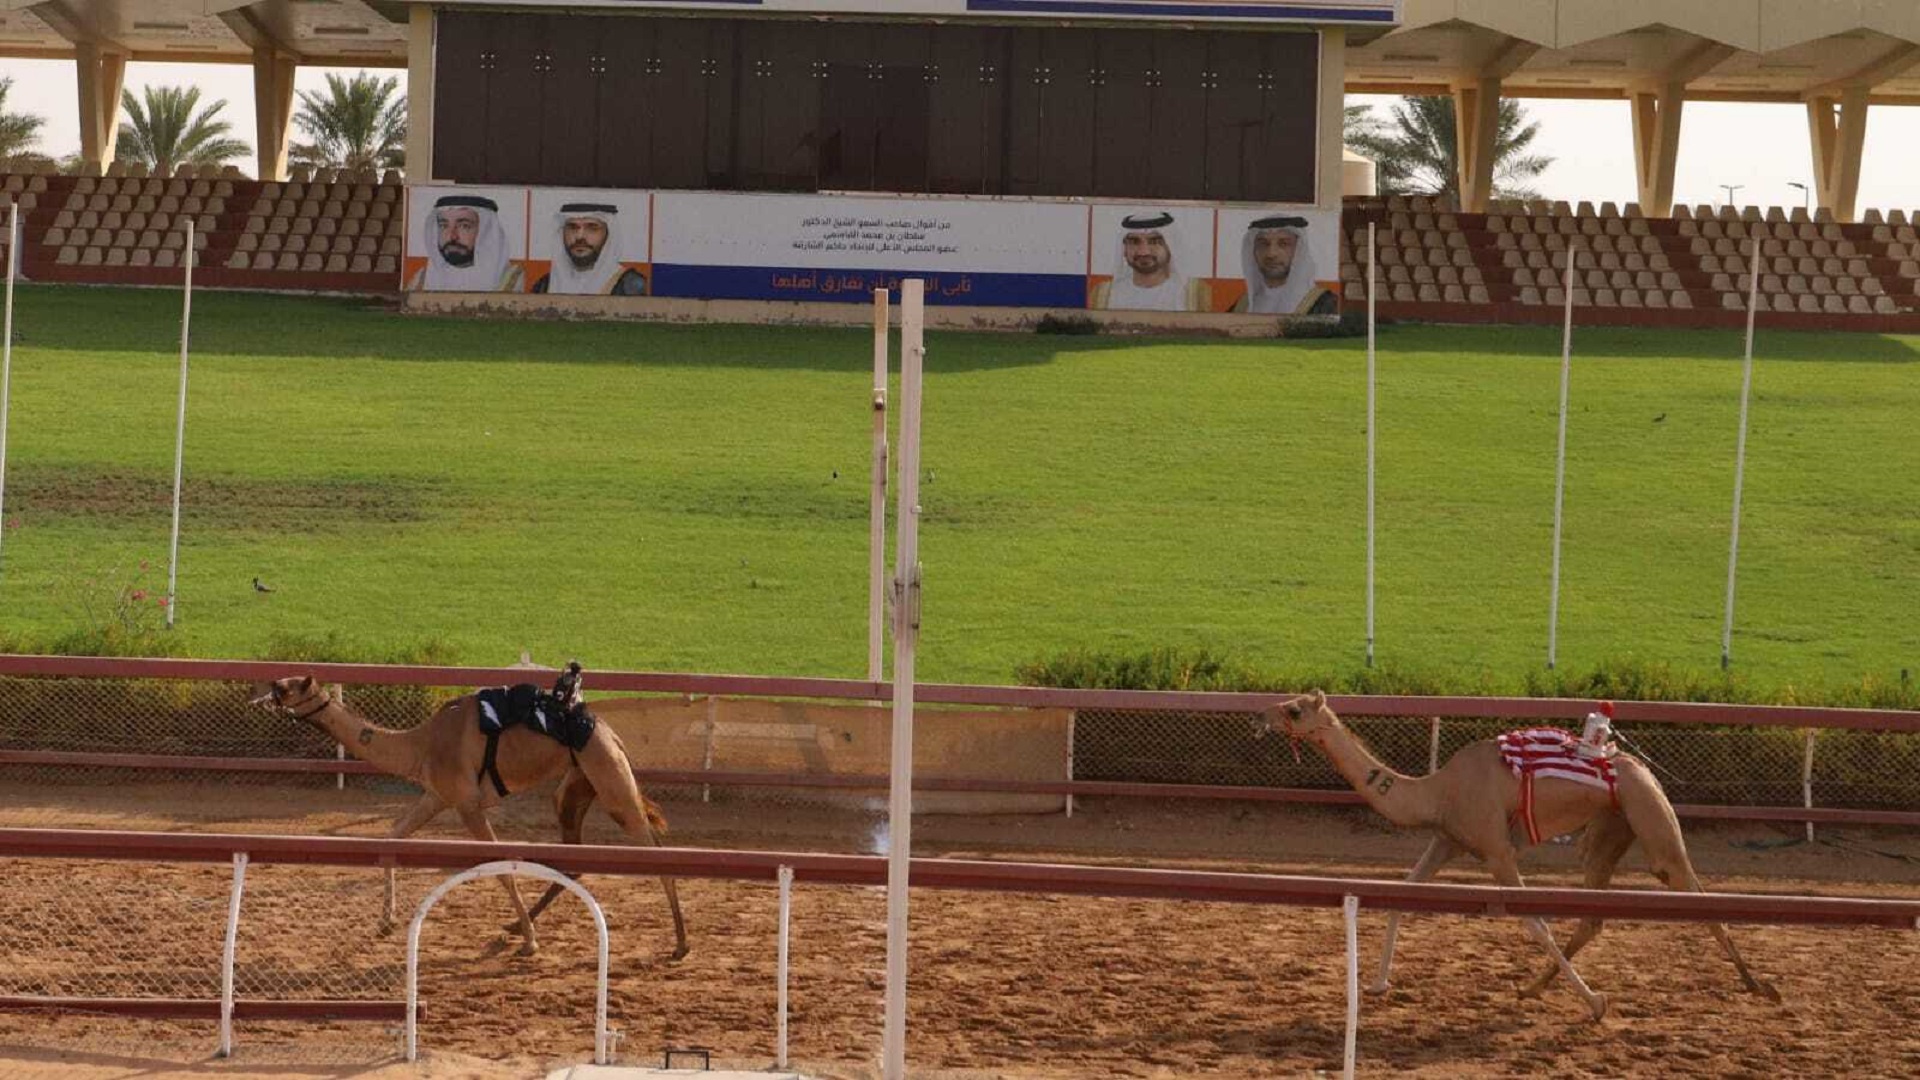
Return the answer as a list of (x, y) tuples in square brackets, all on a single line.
[(501, 707)]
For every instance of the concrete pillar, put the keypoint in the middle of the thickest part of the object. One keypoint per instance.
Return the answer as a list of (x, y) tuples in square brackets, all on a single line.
[(272, 110), (1656, 145), (1837, 127), (1476, 113), (101, 75), (420, 34)]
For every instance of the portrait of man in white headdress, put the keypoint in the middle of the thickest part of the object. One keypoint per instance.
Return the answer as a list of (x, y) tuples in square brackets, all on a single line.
[(1279, 263), (466, 248), (1148, 277), (587, 262)]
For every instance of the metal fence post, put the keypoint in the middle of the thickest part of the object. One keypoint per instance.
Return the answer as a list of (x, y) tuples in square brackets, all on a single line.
[(1433, 746), (1806, 781), (228, 951), (1072, 715), (706, 757), (786, 911)]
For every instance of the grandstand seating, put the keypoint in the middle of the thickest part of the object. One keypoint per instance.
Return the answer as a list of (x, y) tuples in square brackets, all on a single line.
[(1511, 264), (321, 230)]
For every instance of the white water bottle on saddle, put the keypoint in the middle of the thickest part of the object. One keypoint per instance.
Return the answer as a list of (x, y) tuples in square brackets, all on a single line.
[(1596, 740)]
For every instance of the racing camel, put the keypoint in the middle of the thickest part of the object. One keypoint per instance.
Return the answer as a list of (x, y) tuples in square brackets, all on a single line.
[(462, 767), (1474, 804)]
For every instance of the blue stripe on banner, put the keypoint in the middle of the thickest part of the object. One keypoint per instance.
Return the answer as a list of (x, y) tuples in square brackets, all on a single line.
[(856, 286), (1168, 9)]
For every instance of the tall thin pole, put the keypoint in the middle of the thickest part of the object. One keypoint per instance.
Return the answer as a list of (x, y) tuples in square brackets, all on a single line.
[(877, 511), (1740, 458), (6, 350), (1560, 465), (906, 633), (1373, 254), (180, 432)]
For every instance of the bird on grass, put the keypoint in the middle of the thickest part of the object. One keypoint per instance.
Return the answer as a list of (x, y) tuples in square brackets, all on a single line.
[(258, 587), (1660, 418)]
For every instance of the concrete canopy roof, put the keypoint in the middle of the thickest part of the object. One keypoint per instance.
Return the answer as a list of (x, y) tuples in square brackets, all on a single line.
[(1735, 50), (344, 33)]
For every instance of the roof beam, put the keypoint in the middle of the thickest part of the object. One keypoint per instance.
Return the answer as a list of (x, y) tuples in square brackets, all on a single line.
[(249, 28), (1697, 61), (1508, 58), (60, 16), (1889, 65)]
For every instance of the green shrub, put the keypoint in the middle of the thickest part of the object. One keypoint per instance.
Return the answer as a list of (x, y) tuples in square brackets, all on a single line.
[(1066, 324)]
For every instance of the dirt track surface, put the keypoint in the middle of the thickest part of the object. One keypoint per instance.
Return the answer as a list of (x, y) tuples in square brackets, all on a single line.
[(1001, 985)]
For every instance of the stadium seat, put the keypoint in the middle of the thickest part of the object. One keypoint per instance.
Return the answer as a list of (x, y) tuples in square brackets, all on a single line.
[(1602, 298), (1582, 298), (1530, 296), (1680, 300), (238, 260), (1681, 212), (1808, 304), (1884, 305), (263, 260), (312, 263), (1871, 286), (1471, 276), (1630, 298), (1454, 294), (1429, 294), (1858, 305), (1733, 301), (1478, 294), (1779, 302), (386, 264), (361, 264), (1401, 293), (68, 256), (1657, 300), (92, 256)]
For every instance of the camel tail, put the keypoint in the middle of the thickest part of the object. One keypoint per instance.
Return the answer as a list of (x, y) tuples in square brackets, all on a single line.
[(655, 816)]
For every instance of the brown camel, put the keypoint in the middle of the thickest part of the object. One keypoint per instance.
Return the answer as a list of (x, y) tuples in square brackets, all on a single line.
[(1471, 805), (445, 755)]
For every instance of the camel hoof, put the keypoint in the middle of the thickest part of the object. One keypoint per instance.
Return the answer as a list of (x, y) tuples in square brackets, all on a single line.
[(528, 947), (1599, 1007), (1380, 987), (1768, 991), (679, 953), (514, 929)]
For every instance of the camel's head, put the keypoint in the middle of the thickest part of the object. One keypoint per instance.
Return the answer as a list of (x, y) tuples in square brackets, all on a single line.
[(1301, 717), (296, 694)]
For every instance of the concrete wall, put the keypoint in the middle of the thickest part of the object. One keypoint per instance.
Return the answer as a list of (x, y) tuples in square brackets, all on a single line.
[(756, 735)]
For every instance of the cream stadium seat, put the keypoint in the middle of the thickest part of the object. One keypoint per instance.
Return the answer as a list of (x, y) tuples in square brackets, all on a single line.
[(1780, 302), (1829, 304), (1471, 276), (361, 264), (1733, 301), (238, 260), (1530, 296), (1402, 291), (313, 263), (68, 256), (1582, 298), (1429, 294), (288, 262), (1871, 286), (1630, 298), (1884, 305), (140, 257), (263, 260), (1681, 301), (1657, 300), (1605, 298), (1858, 305), (1454, 294), (92, 256), (55, 237), (1478, 294)]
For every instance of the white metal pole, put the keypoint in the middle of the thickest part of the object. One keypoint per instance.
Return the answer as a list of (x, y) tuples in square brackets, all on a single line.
[(1740, 457), (906, 632), (877, 509), (1560, 465), (180, 432), (786, 912), (229, 951), (6, 349), (339, 749), (1433, 746), (1372, 285), (1073, 716), (1806, 781), (1350, 908)]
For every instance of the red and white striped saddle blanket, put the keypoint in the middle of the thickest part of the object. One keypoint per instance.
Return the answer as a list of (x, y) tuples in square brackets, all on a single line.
[(1553, 753)]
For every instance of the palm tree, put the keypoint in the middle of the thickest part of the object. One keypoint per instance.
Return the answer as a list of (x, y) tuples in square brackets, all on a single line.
[(18, 131), (170, 129), (1418, 154), (359, 123)]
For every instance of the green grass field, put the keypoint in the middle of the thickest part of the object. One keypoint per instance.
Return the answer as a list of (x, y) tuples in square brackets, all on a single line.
[(666, 498)]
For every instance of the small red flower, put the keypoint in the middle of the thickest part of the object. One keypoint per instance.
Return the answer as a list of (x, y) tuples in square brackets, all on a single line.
[(161, 600), (139, 594)]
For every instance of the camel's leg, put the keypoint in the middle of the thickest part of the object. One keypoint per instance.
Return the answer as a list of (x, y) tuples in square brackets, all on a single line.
[(1608, 838), (1507, 872), (1653, 819), (1671, 865), (410, 822), (571, 801), (1438, 854), (482, 829), (607, 767)]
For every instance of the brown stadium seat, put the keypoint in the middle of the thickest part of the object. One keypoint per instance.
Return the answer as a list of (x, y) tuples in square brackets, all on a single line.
[(1780, 302), (92, 256), (263, 260), (1630, 298), (1734, 301), (1556, 297), (360, 264), (1530, 296), (1402, 292), (1582, 298), (1884, 305), (312, 263), (1657, 300), (1429, 294), (1858, 305), (1680, 300), (288, 262), (1478, 294), (68, 256), (386, 264)]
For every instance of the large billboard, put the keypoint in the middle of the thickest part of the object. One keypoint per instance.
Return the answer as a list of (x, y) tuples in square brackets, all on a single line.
[(1379, 13), (1034, 253)]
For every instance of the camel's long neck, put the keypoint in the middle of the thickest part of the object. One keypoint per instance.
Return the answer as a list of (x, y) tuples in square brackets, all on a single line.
[(398, 753), (1401, 799)]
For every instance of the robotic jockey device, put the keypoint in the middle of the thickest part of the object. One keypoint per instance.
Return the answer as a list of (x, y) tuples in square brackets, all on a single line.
[(1596, 741)]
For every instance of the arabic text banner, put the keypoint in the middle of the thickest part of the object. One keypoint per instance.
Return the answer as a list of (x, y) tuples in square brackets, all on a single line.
[(779, 247)]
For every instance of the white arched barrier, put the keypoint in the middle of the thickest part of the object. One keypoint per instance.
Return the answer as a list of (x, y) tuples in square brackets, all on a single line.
[(495, 869)]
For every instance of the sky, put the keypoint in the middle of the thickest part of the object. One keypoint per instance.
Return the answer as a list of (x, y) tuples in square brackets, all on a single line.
[(1762, 148)]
